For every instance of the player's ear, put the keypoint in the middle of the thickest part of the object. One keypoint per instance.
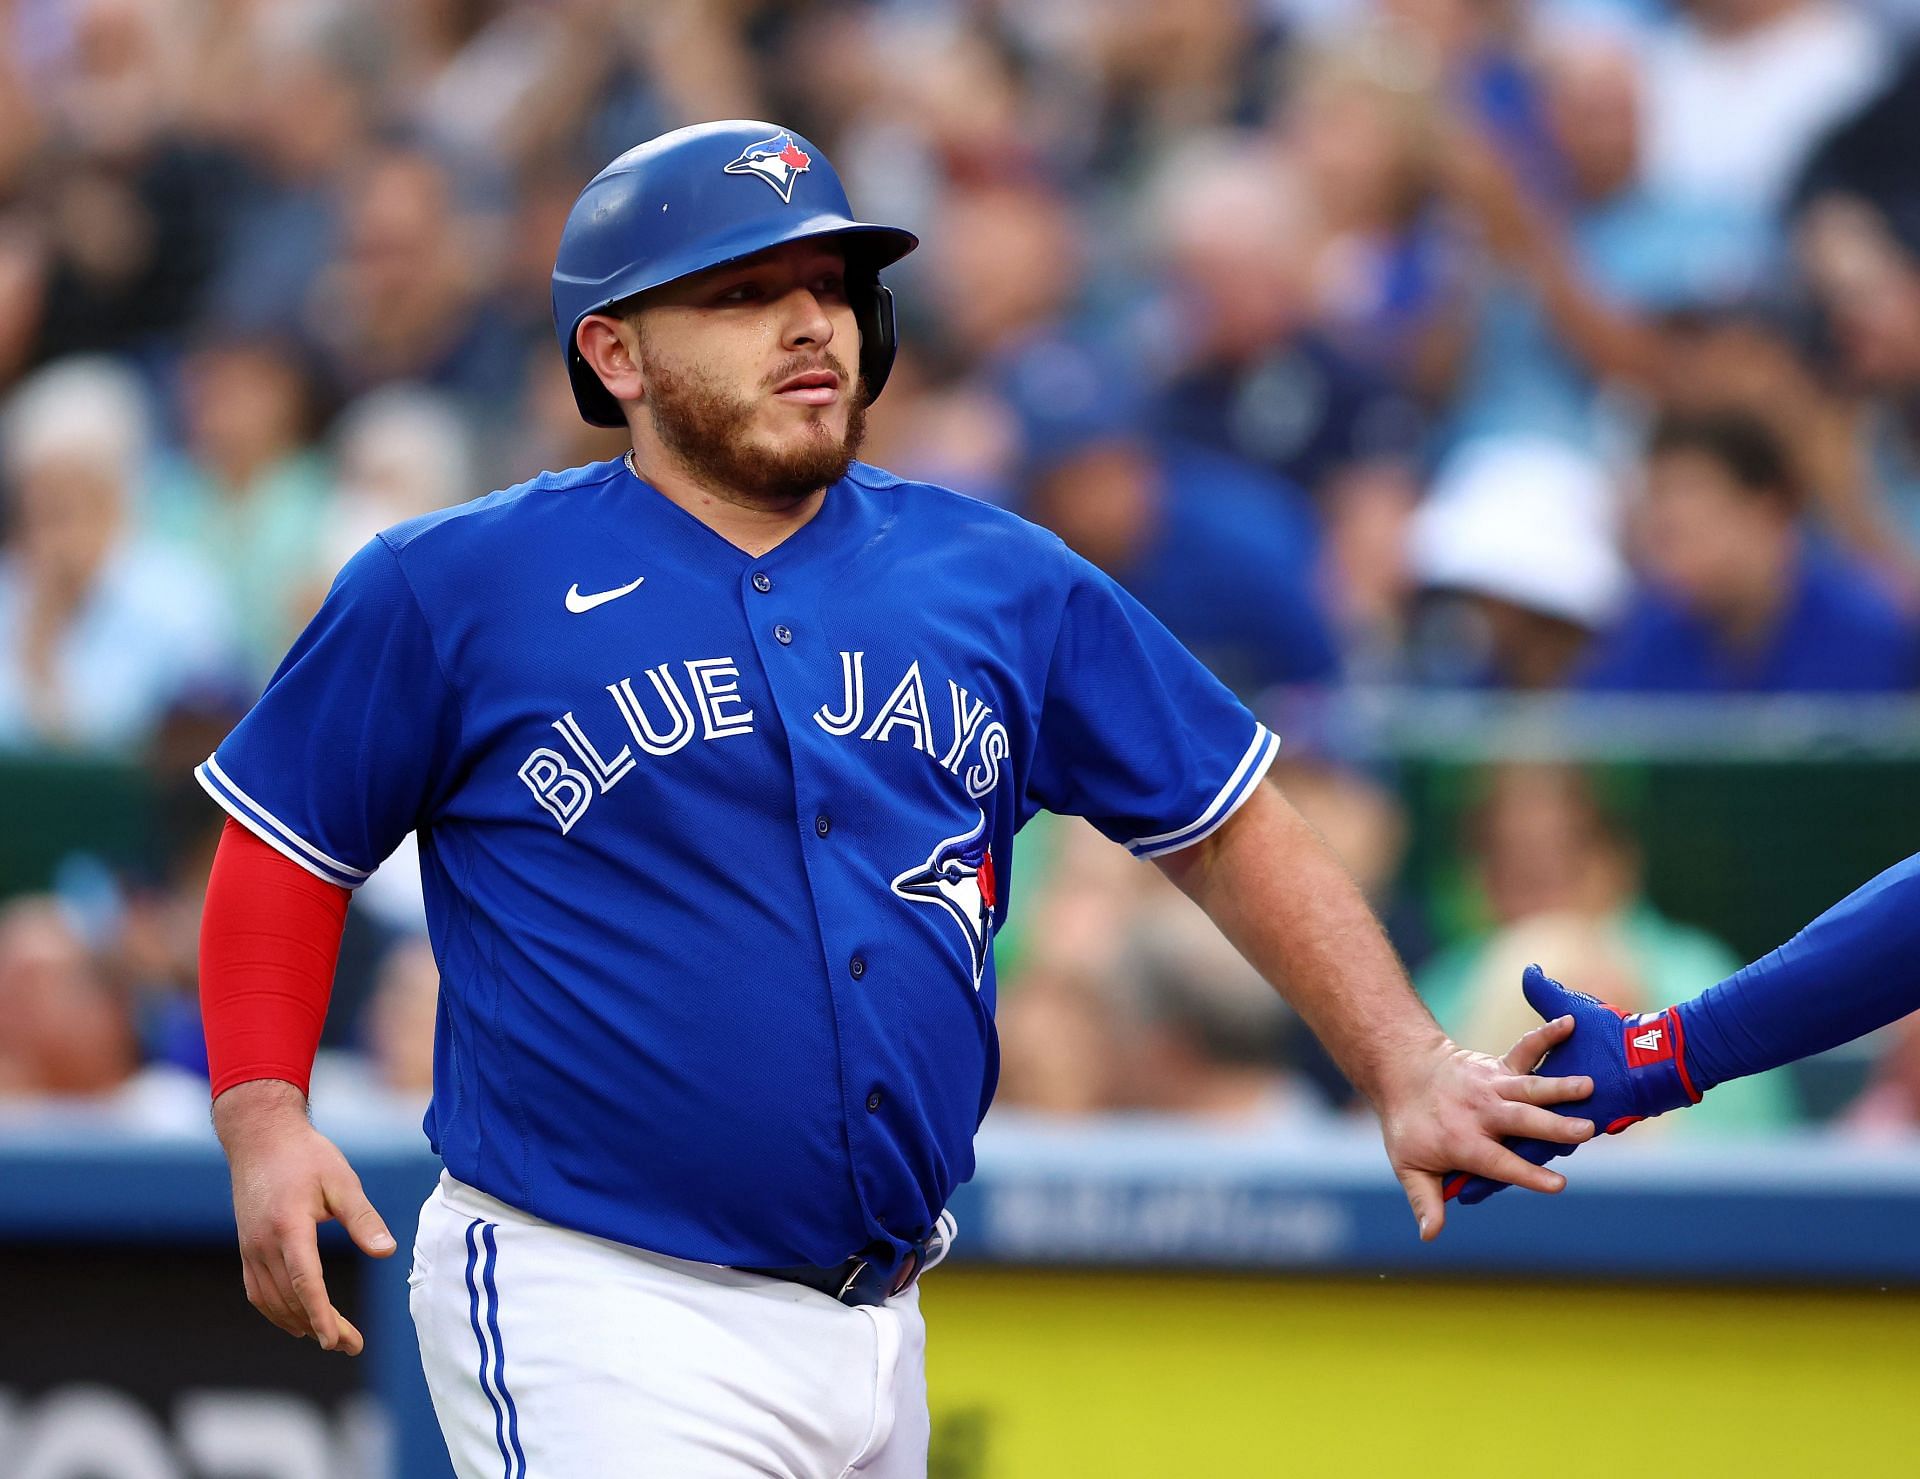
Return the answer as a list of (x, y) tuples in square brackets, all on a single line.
[(611, 348)]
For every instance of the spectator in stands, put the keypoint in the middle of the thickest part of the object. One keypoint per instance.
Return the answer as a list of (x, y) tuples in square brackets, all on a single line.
[(1515, 552), (1159, 72), (1220, 552), (1063, 1044), (1786, 69), (399, 452), (1364, 123), (145, 919), (1250, 375), (1579, 274), (945, 428), (1065, 1029), (1557, 873), (66, 1033), (386, 1077), (1890, 1103), (246, 484), (1368, 579), (1750, 359), (1486, 56), (1213, 1037), (1113, 998), (547, 433), (544, 430), (23, 273), (1740, 597), (301, 115), (1858, 235), (398, 1021), (135, 211), (407, 297), (99, 628), (1010, 264), (485, 82)]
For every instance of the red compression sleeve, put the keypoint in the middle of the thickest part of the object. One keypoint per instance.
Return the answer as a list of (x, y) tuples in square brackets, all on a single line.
[(269, 942)]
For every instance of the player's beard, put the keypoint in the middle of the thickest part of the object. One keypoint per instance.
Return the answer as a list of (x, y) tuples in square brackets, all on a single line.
[(708, 428)]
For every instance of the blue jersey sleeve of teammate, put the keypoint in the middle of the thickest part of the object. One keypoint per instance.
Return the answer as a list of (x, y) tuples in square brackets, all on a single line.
[(339, 758), (1134, 733), (1846, 974)]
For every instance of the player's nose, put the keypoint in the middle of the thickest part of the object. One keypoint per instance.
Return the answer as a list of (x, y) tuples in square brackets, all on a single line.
[(807, 324)]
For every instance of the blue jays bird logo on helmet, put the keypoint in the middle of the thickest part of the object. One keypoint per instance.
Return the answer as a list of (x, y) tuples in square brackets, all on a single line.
[(958, 876), (778, 160)]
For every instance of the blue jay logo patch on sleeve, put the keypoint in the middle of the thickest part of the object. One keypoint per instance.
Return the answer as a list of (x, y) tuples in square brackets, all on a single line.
[(958, 877)]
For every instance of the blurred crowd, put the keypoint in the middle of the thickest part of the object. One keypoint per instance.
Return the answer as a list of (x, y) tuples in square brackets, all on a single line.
[(1488, 345)]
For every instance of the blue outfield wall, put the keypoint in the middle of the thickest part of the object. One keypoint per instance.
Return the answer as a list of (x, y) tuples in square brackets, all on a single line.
[(1800, 1211)]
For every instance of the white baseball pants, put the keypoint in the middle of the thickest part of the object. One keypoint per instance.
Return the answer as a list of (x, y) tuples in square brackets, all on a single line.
[(554, 1355)]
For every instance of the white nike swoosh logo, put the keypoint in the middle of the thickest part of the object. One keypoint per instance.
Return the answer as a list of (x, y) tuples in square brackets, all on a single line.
[(577, 603)]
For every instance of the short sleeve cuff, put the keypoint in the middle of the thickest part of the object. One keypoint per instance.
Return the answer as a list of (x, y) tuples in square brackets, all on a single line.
[(271, 830), (1253, 765)]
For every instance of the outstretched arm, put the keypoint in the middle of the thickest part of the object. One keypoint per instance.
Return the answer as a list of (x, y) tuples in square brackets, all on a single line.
[(1854, 969), (1278, 893)]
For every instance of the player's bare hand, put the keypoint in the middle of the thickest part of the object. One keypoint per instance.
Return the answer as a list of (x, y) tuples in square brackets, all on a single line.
[(1450, 1109), (288, 1178)]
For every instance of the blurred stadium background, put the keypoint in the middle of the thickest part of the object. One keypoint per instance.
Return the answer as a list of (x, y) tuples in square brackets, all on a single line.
[(1518, 402)]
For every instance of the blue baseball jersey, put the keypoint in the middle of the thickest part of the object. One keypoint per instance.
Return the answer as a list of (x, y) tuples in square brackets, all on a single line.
[(714, 844)]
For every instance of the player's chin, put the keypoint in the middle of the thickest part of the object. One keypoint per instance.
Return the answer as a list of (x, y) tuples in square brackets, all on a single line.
[(796, 427)]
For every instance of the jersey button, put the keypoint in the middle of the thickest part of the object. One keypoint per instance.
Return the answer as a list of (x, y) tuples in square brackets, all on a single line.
[(873, 1101), (783, 634), (762, 582), (822, 825), (857, 967)]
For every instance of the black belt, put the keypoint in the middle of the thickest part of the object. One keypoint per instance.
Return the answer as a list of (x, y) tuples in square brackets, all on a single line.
[(864, 1280)]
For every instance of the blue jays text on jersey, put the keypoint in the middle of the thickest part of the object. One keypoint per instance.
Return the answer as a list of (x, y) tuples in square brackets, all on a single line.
[(714, 845)]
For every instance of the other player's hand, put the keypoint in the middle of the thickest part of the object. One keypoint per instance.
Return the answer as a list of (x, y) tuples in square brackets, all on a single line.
[(1637, 1065), (1455, 1109), (288, 1178)]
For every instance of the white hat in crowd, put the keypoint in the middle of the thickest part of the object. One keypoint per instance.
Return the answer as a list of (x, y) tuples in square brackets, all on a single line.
[(87, 408), (1526, 520)]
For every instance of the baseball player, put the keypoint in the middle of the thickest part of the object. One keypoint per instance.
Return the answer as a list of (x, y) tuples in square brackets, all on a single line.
[(1846, 974), (716, 753)]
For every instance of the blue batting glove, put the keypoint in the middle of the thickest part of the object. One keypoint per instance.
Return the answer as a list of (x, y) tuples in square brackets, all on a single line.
[(1638, 1064)]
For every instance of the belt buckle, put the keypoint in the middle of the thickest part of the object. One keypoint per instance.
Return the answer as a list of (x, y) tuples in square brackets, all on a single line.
[(853, 1277)]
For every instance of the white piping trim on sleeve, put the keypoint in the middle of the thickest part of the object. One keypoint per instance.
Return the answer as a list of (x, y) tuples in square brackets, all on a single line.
[(271, 830), (1240, 785)]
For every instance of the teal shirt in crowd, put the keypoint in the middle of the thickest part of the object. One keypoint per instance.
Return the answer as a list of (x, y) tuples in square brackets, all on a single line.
[(267, 536)]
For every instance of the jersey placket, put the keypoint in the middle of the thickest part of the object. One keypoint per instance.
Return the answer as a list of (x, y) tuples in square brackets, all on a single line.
[(788, 630)]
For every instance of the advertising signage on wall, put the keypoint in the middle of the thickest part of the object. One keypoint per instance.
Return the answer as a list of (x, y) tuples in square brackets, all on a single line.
[(148, 1363)]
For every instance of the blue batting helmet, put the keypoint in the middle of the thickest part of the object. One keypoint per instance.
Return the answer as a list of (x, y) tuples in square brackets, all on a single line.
[(700, 196)]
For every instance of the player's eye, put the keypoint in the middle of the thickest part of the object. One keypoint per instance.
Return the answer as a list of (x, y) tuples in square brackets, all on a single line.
[(742, 292), (832, 285)]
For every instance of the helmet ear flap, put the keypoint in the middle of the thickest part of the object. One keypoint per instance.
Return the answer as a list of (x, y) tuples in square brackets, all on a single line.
[(596, 402), (878, 336)]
